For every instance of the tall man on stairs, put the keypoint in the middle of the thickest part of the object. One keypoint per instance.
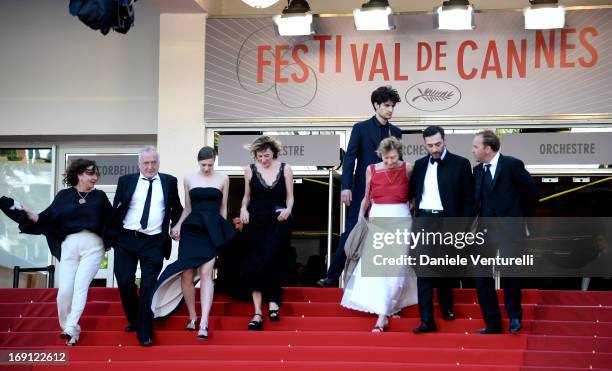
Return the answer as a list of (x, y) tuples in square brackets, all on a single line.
[(360, 153)]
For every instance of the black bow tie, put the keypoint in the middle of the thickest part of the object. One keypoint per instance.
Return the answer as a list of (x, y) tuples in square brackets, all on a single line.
[(432, 160)]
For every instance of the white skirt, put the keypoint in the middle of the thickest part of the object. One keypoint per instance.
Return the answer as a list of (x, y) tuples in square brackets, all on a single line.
[(382, 295)]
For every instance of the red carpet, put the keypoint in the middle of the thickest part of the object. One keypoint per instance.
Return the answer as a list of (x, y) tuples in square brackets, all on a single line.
[(563, 330)]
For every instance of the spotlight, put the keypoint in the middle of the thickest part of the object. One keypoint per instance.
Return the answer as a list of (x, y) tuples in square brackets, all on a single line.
[(296, 19), (375, 15), (260, 3), (543, 15), (454, 15)]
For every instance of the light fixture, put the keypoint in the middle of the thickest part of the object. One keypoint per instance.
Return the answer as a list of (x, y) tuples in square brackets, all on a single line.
[(296, 19), (544, 14), (375, 15), (260, 3), (454, 15)]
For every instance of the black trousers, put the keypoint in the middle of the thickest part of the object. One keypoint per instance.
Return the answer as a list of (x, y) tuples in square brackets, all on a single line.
[(129, 250), (489, 305), (505, 236), (425, 285), (444, 291)]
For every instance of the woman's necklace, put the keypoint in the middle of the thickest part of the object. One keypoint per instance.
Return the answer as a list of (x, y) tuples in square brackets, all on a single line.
[(82, 199), (395, 176)]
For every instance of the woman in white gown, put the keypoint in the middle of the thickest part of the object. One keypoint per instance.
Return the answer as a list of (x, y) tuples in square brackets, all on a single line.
[(387, 192)]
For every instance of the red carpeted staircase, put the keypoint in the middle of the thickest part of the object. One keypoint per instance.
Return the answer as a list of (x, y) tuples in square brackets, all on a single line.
[(562, 330)]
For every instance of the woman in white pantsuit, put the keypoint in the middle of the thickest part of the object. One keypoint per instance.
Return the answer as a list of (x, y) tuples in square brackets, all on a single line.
[(73, 226)]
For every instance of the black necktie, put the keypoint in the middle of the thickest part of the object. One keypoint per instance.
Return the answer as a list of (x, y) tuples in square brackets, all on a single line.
[(144, 220), (488, 177), (384, 131), (432, 160)]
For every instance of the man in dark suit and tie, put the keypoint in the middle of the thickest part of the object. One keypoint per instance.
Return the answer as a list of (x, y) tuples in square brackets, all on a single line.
[(145, 204), (504, 188), (365, 139), (441, 186)]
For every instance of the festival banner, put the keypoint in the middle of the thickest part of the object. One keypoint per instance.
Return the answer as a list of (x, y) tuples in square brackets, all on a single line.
[(497, 69)]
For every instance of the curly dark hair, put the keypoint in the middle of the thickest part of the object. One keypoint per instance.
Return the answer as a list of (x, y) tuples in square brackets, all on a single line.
[(384, 94), (263, 143), (77, 167)]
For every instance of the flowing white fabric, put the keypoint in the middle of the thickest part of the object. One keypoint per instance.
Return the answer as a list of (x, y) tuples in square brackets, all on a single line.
[(382, 295)]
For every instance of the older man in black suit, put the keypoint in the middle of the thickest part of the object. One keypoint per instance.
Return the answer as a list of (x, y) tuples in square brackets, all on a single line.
[(504, 188), (364, 141), (145, 204), (441, 186)]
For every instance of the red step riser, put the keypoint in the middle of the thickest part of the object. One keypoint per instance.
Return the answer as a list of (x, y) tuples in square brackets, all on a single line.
[(570, 343), (573, 313), (567, 359), (580, 298), (566, 328), (308, 338), (303, 294), (246, 309), (220, 323)]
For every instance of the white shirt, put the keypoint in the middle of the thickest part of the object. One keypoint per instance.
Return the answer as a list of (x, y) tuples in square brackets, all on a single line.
[(431, 194), (156, 212), (493, 164)]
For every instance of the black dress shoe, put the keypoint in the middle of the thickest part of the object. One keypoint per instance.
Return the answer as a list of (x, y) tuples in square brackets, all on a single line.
[(490, 330), (146, 342), (325, 282), (449, 315), (129, 328), (423, 328), (515, 326)]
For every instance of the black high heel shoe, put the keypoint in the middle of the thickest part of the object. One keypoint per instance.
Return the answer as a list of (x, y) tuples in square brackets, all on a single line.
[(256, 325), (274, 315)]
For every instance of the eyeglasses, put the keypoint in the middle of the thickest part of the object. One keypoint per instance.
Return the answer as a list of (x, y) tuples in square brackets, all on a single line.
[(91, 172)]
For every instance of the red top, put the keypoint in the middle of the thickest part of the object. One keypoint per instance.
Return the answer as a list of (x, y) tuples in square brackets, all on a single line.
[(389, 186)]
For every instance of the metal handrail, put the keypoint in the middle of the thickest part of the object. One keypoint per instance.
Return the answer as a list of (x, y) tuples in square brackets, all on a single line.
[(50, 277)]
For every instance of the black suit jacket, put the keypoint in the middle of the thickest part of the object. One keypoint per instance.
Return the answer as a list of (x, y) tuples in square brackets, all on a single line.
[(455, 184), (125, 190), (362, 146), (514, 193)]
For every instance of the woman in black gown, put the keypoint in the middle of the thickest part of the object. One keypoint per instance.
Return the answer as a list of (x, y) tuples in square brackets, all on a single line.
[(201, 230), (266, 215)]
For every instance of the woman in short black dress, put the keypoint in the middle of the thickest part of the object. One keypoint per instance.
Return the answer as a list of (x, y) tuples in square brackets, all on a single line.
[(201, 230)]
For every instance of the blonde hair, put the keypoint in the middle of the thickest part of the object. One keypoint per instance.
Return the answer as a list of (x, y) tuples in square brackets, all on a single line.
[(389, 144), (264, 142)]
